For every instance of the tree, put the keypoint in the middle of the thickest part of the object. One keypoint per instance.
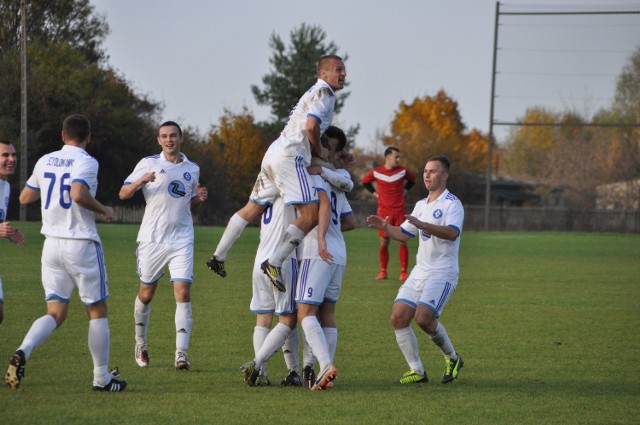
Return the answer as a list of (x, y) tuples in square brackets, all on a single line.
[(53, 22), (67, 75), (432, 125), (233, 152), (294, 70), (529, 147)]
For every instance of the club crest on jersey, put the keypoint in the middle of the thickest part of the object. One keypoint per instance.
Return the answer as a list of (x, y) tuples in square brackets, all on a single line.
[(187, 176), (176, 189), (437, 213)]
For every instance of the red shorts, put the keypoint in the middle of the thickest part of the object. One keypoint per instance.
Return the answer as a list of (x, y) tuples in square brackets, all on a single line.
[(394, 220)]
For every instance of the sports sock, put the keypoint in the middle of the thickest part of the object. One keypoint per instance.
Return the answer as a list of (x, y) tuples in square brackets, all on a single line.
[(272, 343), (408, 344), (38, 333), (260, 333), (403, 254), (441, 339), (141, 314), (99, 342), (291, 350), (292, 238), (308, 359), (314, 335), (230, 235), (383, 257), (183, 326), (331, 335)]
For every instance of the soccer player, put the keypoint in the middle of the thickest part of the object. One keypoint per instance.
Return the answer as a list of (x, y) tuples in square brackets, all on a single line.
[(275, 221), (169, 183), (7, 168), (283, 172), (437, 220), (72, 255), (323, 261), (267, 300), (392, 183)]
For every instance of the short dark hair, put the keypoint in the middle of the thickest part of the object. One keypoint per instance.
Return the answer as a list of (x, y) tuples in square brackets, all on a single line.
[(443, 160), (323, 62), (390, 149), (172, 123), (5, 141), (336, 133), (77, 127)]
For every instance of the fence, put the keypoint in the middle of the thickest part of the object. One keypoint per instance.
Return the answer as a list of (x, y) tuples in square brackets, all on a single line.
[(500, 218)]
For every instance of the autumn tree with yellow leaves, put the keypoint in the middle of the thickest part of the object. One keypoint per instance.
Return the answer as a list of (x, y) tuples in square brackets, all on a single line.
[(432, 125)]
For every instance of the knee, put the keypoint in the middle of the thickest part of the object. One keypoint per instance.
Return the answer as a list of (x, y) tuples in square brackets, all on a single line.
[(427, 323), (398, 321)]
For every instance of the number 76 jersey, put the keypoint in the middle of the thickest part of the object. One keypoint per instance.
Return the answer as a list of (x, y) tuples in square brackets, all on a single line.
[(53, 176)]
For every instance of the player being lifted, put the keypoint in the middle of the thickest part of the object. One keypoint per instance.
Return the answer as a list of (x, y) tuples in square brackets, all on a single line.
[(284, 172)]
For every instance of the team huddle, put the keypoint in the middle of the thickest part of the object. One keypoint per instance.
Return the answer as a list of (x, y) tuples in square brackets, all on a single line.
[(300, 199)]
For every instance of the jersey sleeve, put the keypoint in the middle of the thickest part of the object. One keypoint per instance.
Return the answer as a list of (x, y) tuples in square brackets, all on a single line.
[(321, 107), (340, 179), (455, 216), (368, 178), (85, 171), (139, 170), (408, 228)]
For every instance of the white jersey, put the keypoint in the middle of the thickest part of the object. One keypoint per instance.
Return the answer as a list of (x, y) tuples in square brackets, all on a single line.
[(318, 102), (273, 225), (335, 241), (167, 216), (53, 176), (5, 192), (436, 255)]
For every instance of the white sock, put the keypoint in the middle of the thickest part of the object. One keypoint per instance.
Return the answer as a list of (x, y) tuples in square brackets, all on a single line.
[(290, 241), (183, 326), (38, 333), (315, 337), (230, 235), (141, 314), (272, 343), (291, 350), (99, 341), (441, 339), (260, 333), (408, 344), (331, 335), (308, 359)]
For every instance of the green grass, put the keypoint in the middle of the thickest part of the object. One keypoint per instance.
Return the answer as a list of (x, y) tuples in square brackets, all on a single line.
[(548, 325)]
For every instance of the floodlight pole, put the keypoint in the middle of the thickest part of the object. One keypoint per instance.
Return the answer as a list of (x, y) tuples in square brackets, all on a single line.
[(487, 196), (23, 112)]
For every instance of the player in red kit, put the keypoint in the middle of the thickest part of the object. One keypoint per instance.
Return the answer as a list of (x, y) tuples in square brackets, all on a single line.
[(392, 181)]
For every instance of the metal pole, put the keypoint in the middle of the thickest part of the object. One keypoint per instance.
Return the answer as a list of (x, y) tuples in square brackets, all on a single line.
[(23, 112), (487, 201)]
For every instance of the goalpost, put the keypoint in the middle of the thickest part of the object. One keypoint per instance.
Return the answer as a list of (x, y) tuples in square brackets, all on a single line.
[(558, 57)]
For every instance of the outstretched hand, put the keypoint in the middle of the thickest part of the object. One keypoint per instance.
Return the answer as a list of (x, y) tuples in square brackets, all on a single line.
[(377, 222)]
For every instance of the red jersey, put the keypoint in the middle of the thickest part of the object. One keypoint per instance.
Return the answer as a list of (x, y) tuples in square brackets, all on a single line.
[(390, 186)]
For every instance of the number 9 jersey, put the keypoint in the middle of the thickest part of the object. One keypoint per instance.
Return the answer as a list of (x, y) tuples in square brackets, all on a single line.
[(53, 176)]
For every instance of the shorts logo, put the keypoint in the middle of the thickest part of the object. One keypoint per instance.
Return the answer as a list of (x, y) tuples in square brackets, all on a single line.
[(437, 213), (176, 189), (187, 176)]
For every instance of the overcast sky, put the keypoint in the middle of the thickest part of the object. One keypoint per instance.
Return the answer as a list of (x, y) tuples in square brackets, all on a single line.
[(198, 57)]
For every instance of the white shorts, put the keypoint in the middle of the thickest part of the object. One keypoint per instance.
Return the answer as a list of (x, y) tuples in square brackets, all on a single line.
[(284, 176), (266, 298), (154, 256), (319, 282), (433, 292), (72, 263)]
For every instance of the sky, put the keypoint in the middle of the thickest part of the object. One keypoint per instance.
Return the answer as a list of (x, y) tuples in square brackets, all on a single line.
[(200, 57)]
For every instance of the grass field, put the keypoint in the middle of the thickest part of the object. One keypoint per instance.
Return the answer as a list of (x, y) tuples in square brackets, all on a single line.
[(548, 325)]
